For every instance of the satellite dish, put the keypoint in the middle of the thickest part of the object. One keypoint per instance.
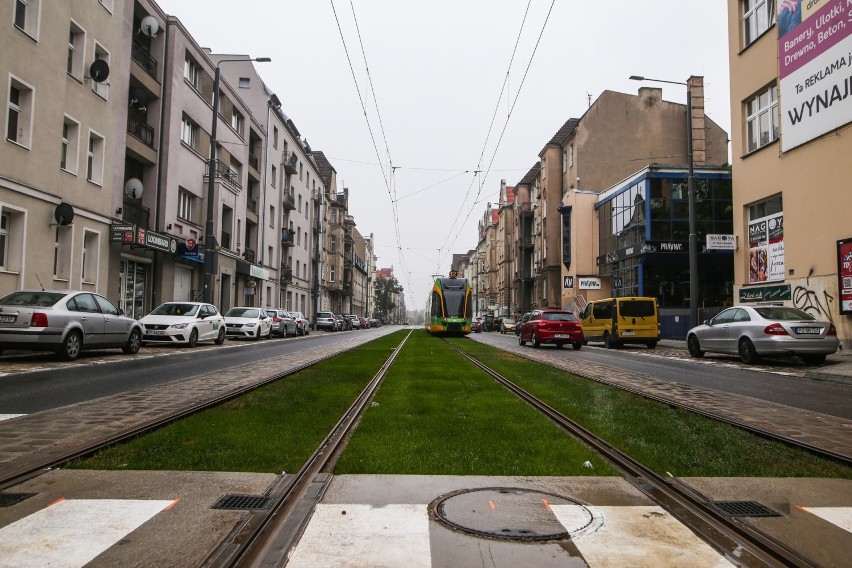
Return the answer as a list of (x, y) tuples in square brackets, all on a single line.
[(99, 70), (138, 99), (150, 26), (64, 214), (133, 188)]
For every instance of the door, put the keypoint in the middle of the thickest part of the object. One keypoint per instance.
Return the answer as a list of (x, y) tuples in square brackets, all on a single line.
[(116, 328), (90, 318), (183, 284), (715, 337)]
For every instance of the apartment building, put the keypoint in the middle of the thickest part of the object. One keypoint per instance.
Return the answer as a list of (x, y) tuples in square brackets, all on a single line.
[(791, 111), (65, 98)]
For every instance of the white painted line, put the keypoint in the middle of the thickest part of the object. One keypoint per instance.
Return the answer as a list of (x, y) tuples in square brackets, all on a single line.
[(363, 535), (840, 516), (71, 533), (639, 537), (9, 416)]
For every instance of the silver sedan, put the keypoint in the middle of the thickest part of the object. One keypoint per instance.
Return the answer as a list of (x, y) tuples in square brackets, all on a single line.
[(66, 322), (754, 331)]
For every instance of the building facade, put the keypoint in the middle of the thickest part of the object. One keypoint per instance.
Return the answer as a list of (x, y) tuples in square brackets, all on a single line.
[(790, 117)]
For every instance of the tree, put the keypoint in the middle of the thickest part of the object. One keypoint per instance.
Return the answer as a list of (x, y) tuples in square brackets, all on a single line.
[(386, 289)]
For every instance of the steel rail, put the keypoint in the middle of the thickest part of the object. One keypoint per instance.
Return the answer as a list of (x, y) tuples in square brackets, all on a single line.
[(265, 539), (740, 543)]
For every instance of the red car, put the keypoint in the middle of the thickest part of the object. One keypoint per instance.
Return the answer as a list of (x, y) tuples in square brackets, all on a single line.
[(551, 326)]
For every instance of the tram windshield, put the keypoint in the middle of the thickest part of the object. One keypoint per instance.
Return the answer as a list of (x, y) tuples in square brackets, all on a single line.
[(454, 302)]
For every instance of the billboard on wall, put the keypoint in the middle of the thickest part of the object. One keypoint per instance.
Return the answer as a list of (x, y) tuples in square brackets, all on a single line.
[(766, 249), (815, 60), (844, 275)]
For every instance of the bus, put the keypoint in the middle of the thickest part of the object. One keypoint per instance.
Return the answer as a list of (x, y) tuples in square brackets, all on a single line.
[(449, 307)]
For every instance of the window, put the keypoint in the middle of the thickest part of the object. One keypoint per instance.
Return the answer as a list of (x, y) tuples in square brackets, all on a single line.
[(191, 71), (95, 158), (245, 82), (766, 241), (61, 254), (275, 137), (76, 49), (89, 261), (274, 176), (571, 155), (27, 15), (758, 16), (333, 246), (186, 202), (332, 274), (70, 143), (300, 204), (189, 133), (762, 119), (5, 223), (272, 216), (19, 115), (107, 4), (102, 89), (237, 122)]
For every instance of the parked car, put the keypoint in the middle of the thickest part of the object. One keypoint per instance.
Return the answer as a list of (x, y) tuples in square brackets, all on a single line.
[(342, 323), (476, 325), (303, 326), (184, 322), (326, 321), (65, 322), (616, 321), (283, 323), (755, 331), (552, 326), (354, 322), (244, 322), (507, 324), (521, 321), (374, 322), (365, 323)]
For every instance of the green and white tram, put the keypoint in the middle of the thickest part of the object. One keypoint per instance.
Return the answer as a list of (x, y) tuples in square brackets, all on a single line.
[(449, 308)]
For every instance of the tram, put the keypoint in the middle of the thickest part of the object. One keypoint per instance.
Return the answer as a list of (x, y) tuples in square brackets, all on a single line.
[(449, 307)]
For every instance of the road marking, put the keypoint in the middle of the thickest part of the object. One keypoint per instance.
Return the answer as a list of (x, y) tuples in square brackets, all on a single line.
[(72, 532), (839, 516), (636, 536), (362, 535), (10, 416)]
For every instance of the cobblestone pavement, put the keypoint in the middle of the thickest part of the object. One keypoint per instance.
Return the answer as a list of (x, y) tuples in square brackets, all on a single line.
[(818, 430), (36, 438)]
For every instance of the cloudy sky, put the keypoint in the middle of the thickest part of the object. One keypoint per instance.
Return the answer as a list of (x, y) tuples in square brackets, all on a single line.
[(452, 88)]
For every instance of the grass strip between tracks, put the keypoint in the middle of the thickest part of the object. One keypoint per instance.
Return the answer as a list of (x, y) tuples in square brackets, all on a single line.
[(272, 429), (665, 438)]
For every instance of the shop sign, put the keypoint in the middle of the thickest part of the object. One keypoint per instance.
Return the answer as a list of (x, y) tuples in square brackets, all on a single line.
[(778, 293), (190, 250), (589, 283), (844, 275), (121, 233), (766, 249), (156, 241), (721, 242), (258, 272), (567, 281)]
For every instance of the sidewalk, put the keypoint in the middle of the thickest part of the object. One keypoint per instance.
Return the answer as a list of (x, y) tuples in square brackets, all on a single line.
[(837, 367)]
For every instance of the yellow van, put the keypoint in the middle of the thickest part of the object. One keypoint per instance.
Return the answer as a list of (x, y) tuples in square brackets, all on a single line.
[(617, 321)]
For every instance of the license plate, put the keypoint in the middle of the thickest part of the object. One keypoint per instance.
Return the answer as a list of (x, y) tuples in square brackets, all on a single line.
[(7, 319), (156, 332), (626, 333), (808, 330), (560, 335)]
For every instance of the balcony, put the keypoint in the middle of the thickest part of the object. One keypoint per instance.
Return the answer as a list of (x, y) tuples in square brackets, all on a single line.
[(249, 255), (286, 275), (288, 238), (291, 162), (289, 199), (224, 172), (141, 130), (254, 161), (135, 213), (143, 57), (251, 205), (316, 228)]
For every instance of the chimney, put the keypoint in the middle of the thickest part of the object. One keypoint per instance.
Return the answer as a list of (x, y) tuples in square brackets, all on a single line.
[(699, 143)]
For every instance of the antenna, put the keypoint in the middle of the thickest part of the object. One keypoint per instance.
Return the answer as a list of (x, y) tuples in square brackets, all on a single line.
[(589, 96), (39, 282)]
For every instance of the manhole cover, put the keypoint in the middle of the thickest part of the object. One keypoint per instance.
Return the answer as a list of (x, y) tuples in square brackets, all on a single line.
[(512, 513), (241, 502), (745, 509)]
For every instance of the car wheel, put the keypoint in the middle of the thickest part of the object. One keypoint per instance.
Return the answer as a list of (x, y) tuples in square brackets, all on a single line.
[(193, 338), (220, 339), (559, 345), (608, 341), (652, 345), (521, 341), (71, 346), (579, 345), (535, 342), (694, 347), (747, 351), (814, 359), (257, 334), (134, 342)]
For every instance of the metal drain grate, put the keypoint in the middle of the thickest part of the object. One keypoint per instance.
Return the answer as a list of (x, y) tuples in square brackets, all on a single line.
[(745, 509), (9, 499), (242, 502)]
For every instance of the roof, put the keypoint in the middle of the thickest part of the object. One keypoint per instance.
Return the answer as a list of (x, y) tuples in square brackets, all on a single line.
[(495, 216), (563, 133), (531, 175), (324, 167), (510, 195)]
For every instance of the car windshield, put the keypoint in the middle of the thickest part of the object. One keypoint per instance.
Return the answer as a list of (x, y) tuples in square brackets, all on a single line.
[(325, 315), (243, 313), (31, 298), (783, 313), (175, 310), (558, 316), (508, 321)]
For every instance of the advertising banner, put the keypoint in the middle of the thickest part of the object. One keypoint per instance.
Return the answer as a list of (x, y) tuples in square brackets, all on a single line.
[(844, 275), (815, 60), (766, 249)]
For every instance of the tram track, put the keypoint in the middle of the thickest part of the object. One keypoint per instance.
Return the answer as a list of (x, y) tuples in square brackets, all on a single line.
[(739, 542)]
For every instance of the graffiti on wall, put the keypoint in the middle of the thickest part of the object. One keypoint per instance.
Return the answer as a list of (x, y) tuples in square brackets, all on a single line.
[(814, 298)]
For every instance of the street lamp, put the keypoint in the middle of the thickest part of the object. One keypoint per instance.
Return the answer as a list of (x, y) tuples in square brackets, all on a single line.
[(210, 247), (690, 181)]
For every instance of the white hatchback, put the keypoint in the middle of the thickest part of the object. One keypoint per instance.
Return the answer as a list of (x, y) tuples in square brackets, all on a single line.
[(248, 323), (183, 322)]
